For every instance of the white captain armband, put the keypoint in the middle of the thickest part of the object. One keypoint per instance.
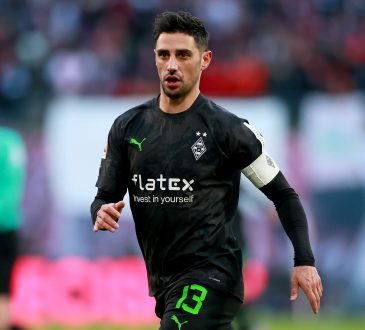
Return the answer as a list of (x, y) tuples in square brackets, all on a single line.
[(262, 170)]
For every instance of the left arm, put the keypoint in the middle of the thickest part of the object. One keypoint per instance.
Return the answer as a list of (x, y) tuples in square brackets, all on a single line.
[(292, 217), (244, 146), (294, 221)]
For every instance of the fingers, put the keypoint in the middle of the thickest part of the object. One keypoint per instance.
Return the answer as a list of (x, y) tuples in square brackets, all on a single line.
[(309, 281), (315, 291), (104, 221), (110, 211), (96, 227), (294, 290), (107, 217), (119, 206), (100, 225), (313, 299), (318, 290)]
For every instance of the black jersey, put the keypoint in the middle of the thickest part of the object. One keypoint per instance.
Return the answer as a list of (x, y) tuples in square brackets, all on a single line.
[(182, 172)]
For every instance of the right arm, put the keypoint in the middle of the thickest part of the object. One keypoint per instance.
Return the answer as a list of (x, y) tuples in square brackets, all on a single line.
[(105, 213), (112, 182)]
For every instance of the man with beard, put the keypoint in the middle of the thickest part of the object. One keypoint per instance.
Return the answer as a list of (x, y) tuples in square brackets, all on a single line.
[(181, 156)]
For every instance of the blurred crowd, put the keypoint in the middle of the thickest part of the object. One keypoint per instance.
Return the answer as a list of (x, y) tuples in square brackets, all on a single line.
[(104, 47)]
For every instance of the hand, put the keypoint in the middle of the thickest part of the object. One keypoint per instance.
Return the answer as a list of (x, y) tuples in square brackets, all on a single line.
[(307, 278), (108, 216)]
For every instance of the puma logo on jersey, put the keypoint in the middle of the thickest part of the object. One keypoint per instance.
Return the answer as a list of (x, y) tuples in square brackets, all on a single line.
[(174, 318), (138, 144)]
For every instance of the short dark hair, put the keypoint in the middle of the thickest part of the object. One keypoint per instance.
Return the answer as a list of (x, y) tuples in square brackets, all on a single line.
[(181, 21)]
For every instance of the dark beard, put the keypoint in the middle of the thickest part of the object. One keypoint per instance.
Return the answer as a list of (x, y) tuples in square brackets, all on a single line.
[(174, 96)]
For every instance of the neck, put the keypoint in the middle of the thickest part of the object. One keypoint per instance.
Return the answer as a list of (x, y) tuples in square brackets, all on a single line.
[(181, 104)]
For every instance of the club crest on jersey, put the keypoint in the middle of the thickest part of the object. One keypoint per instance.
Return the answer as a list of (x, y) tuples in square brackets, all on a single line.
[(198, 148)]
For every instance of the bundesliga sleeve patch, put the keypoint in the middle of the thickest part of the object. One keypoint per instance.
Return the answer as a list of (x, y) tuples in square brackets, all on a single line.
[(262, 170), (103, 156)]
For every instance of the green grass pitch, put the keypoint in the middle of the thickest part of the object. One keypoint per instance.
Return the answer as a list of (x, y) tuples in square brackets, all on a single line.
[(264, 322)]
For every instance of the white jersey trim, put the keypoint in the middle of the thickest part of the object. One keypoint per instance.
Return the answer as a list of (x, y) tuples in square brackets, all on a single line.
[(262, 170), (256, 132)]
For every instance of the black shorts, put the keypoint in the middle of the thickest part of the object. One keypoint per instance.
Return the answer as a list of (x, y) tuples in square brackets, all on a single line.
[(197, 306), (8, 255)]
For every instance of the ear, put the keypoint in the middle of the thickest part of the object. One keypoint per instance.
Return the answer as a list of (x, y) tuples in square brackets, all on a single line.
[(206, 58)]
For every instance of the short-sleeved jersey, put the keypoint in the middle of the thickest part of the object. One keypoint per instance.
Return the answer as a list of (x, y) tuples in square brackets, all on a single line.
[(182, 172)]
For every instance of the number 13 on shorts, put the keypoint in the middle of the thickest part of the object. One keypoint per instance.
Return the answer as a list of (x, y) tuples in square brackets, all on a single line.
[(198, 294)]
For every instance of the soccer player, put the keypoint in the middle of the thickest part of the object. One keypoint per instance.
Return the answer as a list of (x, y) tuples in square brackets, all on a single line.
[(180, 156), (12, 177)]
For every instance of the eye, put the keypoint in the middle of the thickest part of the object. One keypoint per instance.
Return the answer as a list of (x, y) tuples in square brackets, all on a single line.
[(183, 54), (163, 54)]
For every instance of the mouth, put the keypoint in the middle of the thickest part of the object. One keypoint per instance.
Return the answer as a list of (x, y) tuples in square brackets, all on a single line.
[(172, 81)]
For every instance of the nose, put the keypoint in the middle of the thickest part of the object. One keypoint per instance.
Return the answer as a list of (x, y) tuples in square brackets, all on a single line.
[(172, 64)]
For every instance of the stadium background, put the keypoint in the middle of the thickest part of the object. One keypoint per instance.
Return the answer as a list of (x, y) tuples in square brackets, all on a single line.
[(296, 70)]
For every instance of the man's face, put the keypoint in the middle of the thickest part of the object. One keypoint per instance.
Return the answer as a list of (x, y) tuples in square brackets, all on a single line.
[(179, 63)]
